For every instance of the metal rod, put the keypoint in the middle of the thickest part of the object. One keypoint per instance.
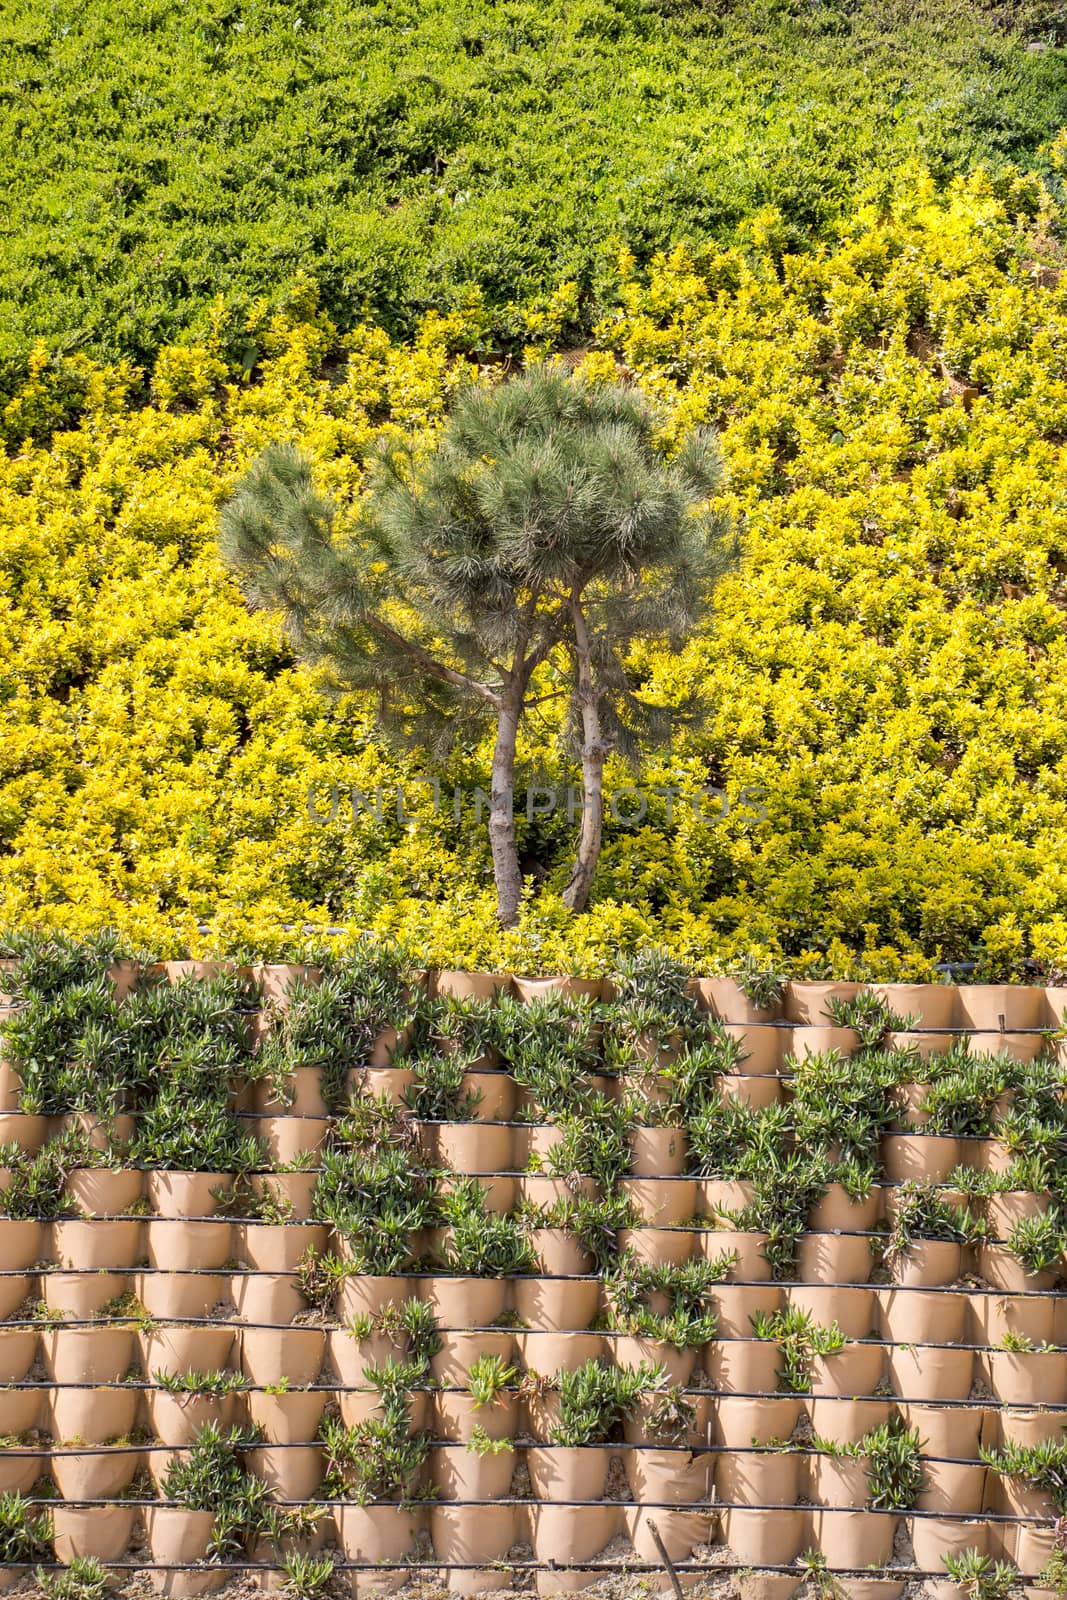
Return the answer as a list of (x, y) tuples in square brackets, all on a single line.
[(675, 1581)]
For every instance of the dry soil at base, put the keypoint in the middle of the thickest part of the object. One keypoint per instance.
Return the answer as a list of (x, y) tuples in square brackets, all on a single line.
[(615, 1586)]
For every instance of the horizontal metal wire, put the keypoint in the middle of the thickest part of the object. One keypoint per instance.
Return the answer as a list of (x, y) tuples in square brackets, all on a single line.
[(724, 1234), (45, 1453), (48, 1324), (487, 1122), (144, 1385), (696, 1507)]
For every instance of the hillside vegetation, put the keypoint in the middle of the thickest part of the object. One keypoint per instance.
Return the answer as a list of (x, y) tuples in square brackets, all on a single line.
[(888, 665), (165, 154)]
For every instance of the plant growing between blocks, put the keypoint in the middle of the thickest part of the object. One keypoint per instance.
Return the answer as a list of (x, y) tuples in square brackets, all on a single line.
[(594, 1399), (800, 1339), (980, 1576)]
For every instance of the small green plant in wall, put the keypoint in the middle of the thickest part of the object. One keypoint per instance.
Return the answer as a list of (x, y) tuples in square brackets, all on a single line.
[(799, 1338), (25, 1532), (84, 1579), (981, 1577), (307, 1577)]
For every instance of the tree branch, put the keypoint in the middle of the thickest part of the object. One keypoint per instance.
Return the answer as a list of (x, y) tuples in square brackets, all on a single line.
[(548, 643), (541, 698), (436, 669)]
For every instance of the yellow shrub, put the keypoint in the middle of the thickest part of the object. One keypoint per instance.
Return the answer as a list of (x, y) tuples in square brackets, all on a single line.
[(886, 671)]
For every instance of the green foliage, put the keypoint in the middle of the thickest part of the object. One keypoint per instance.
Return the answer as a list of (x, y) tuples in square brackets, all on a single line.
[(593, 1142), (594, 1398), (25, 1535), (979, 1576), (651, 1029), (785, 1190), (37, 1187), (800, 1338), (307, 1577), (868, 1014), (482, 1443), (379, 1460), (47, 966), (1039, 1242), (632, 1286), (1041, 1466), (212, 1477), (168, 1051), (921, 1213), (319, 1276), (72, 1051), (965, 1088), (847, 1101), (549, 1047), (193, 1382), (488, 1378), (438, 1093), (729, 1138), (829, 1132), (331, 1025), (815, 1568), (442, 155), (1054, 1575), (670, 1417), (84, 1579), (465, 1027), (1021, 1343), (763, 985), (481, 1243), (896, 1476), (593, 1222), (185, 1133), (412, 1323), (376, 1201)]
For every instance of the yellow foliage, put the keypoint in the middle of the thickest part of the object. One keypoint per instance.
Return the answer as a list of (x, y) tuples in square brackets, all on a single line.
[(886, 670)]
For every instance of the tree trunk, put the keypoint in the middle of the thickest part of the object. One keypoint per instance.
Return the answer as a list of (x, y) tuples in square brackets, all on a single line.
[(576, 894), (506, 872)]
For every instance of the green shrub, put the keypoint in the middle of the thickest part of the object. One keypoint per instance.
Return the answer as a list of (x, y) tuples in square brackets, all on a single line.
[(438, 157)]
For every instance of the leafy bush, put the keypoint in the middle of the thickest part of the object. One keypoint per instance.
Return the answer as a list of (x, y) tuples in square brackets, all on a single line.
[(594, 1398), (185, 1133), (307, 1577), (488, 1378), (896, 1476), (979, 1576), (377, 1461), (471, 162), (376, 1202), (212, 1477), (922, 1212), (1041, 1466), (690, 1319), (1039, 1242), (481, 1243), (799, 1338)]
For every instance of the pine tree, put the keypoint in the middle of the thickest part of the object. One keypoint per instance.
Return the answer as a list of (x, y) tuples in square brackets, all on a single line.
[(545, 530)]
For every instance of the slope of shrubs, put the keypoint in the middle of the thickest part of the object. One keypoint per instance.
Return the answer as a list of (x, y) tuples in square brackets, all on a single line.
[(159, 156), (887, 666)]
